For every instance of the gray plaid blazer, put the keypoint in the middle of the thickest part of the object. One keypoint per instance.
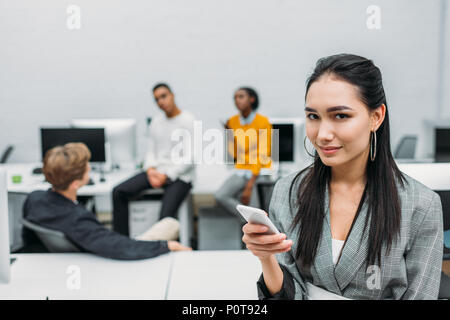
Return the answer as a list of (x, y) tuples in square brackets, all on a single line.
[(412, 270)]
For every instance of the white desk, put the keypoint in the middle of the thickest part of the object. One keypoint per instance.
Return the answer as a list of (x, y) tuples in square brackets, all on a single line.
[(42, 276), (214, 275), (101, 191), (211, 275), (208, 177), (17, 192), (31, 182), (435, 176)]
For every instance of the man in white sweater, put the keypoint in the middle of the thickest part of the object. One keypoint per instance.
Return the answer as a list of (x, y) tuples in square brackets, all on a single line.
[(161, 170)]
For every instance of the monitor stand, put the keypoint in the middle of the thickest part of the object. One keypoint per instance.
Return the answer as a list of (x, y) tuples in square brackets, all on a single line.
[(101, 168), (102, 174), (12, 260)]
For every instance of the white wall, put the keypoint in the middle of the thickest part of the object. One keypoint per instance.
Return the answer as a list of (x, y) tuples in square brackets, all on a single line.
[(445, 107), (204, 49)]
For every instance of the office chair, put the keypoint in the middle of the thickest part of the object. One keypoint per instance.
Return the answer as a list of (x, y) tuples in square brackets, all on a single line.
[(54, 241), (265, 190), (444, 288), (6, 154), (406, 149)]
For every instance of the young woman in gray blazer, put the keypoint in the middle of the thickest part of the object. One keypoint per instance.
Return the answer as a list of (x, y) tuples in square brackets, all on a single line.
[(352, 225)]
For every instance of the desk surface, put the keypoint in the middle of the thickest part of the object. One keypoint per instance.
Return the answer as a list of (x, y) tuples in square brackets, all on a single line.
[(31, 182), (435, 176), (38, 276), (214, 275), (210, 275), (178, 275), (203, 184)]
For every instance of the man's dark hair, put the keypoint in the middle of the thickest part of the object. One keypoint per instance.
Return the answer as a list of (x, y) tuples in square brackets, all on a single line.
[(161, 84)]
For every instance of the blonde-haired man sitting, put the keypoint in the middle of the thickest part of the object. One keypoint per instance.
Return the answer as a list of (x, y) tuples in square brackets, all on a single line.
[(67, 169)]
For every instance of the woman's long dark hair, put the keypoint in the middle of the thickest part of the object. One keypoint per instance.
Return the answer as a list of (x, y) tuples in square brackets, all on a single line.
[(381, 194)]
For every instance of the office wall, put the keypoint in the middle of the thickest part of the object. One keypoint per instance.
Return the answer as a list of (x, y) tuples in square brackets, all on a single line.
[(445, 106), (205, 49)]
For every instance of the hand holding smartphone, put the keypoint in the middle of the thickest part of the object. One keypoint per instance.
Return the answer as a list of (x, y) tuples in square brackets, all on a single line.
[(257, 216), (260, 234), (264, 241)]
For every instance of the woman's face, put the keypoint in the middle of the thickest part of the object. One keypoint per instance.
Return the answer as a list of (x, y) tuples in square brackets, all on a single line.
[(338, 123), (243, 101)]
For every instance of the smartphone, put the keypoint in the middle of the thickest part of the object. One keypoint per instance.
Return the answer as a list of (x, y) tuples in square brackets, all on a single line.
[(258, 216)]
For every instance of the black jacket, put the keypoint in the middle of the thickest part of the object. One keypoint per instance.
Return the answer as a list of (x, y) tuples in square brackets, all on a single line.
[(54, 211)]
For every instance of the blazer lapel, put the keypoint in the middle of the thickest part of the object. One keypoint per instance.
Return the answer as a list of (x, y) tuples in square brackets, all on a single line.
[(354, 251), (323, 267)]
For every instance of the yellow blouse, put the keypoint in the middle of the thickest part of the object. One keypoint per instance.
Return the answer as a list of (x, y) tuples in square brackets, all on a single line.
[(251, 147)]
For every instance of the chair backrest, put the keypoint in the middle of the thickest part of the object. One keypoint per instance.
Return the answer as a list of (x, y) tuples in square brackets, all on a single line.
[(265, 190), (444, 288), (406, 149), (6, 154), (54, 241)]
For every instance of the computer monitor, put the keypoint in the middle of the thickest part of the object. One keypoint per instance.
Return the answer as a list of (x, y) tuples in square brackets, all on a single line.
[(442, 144), (4, 230), (286, 145), (120, 137), (287, 140), (93, 138)]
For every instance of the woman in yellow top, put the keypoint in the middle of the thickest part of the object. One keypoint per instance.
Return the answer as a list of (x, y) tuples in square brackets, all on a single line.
[(250, 148)]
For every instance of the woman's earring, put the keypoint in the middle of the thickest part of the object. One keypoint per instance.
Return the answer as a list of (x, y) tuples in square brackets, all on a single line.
[(373, 145), (304, 145)]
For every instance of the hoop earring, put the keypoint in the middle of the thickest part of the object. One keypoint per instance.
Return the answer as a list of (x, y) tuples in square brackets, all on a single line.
[(304, 145), (373, 145)]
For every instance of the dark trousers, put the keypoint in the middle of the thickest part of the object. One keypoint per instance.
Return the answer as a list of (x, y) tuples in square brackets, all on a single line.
[(174, 194)]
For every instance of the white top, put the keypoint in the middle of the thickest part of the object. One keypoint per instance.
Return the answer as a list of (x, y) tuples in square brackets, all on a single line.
[(336, 246), (169, 147)]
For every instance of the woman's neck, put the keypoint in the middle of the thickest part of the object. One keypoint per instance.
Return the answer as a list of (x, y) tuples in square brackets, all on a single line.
[(352, 173)]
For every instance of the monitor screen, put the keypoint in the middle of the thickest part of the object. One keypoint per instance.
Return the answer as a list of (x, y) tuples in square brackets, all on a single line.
[(442, 144), (285, 142), (94, 139), (120, 134)]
